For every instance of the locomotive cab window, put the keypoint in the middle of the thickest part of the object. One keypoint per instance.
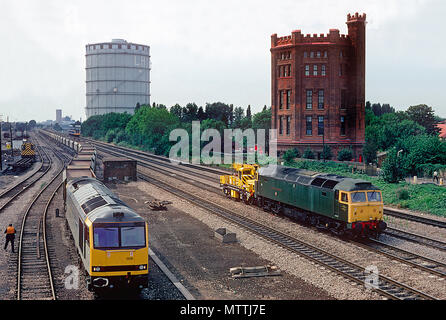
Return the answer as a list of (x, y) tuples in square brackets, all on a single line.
[(133, 237), (358, 197), (344, 197), (374, 196), (127, 236), (106, 237)]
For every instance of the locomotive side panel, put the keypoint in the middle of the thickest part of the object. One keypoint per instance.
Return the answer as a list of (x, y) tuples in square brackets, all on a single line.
[(73, 219)]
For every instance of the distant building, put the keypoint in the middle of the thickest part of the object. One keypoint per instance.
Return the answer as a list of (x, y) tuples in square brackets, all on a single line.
[(118, 77), (58, 116), (442, 127), (318, 89)]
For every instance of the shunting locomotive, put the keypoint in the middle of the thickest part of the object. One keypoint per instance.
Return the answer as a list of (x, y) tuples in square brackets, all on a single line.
[(28, 150), (344, 206)]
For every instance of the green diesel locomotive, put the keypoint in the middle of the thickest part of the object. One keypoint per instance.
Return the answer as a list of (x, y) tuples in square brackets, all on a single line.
[(326, 201)]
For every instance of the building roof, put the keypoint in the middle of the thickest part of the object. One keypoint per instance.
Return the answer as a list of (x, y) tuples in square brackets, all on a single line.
[(442, 127), (323, 180), (94, 200)]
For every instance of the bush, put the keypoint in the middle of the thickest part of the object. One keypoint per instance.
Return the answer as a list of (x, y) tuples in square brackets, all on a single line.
[(121, 136), (326, 153), (98, 134), (402, 194), (290, 155), (345, 154), (308, 154), (110, 136)]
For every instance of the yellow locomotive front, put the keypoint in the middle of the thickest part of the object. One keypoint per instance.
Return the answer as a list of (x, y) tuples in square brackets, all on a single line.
[(28, 150), (363, 210), (119, 254)]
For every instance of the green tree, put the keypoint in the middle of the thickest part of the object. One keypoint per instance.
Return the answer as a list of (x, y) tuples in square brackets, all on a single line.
[(369, 152), (419, 151), (177, 111), (219, 111), (91, 124), (383, 132), (239, 114), (246, 123), (200, 114), (190, 112), (424, 116), (248, 112), (150, 129), (262, 120), (392, 168)]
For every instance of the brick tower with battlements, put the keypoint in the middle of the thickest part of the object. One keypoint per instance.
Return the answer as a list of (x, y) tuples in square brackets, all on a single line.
[(318, 89)]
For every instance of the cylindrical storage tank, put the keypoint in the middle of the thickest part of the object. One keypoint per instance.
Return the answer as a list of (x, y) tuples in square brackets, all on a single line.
[(117, 77)]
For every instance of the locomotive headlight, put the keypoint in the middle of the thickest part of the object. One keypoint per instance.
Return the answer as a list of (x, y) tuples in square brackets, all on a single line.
[(143, 267), (96, 269)]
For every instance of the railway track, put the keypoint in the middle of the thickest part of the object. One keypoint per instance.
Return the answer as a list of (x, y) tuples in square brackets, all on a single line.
[(34, 276), (174, 174), (424, 263), (139, 155), (386, 287), (410, 217), (14, 191), (163, 161), (416, 238)]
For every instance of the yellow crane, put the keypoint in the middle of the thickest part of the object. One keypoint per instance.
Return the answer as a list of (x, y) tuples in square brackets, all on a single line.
[(241, 184)]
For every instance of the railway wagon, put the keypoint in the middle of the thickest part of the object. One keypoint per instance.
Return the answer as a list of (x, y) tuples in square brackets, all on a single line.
[(88, 154), (84, 160), (111, 238)]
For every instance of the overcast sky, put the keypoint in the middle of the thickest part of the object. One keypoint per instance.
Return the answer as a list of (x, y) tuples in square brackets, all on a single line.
[(208, 51)]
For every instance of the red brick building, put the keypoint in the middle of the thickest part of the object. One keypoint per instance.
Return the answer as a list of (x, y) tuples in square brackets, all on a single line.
[(318, 89)]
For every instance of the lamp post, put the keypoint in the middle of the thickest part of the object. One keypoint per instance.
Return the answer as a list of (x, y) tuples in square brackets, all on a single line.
[(10, 137), (323, 142)]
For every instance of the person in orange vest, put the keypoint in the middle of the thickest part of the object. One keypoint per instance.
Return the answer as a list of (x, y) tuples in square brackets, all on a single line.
[(10, 236)]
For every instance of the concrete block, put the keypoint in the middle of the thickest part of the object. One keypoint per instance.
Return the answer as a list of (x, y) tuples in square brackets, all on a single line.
[(224, 236)]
